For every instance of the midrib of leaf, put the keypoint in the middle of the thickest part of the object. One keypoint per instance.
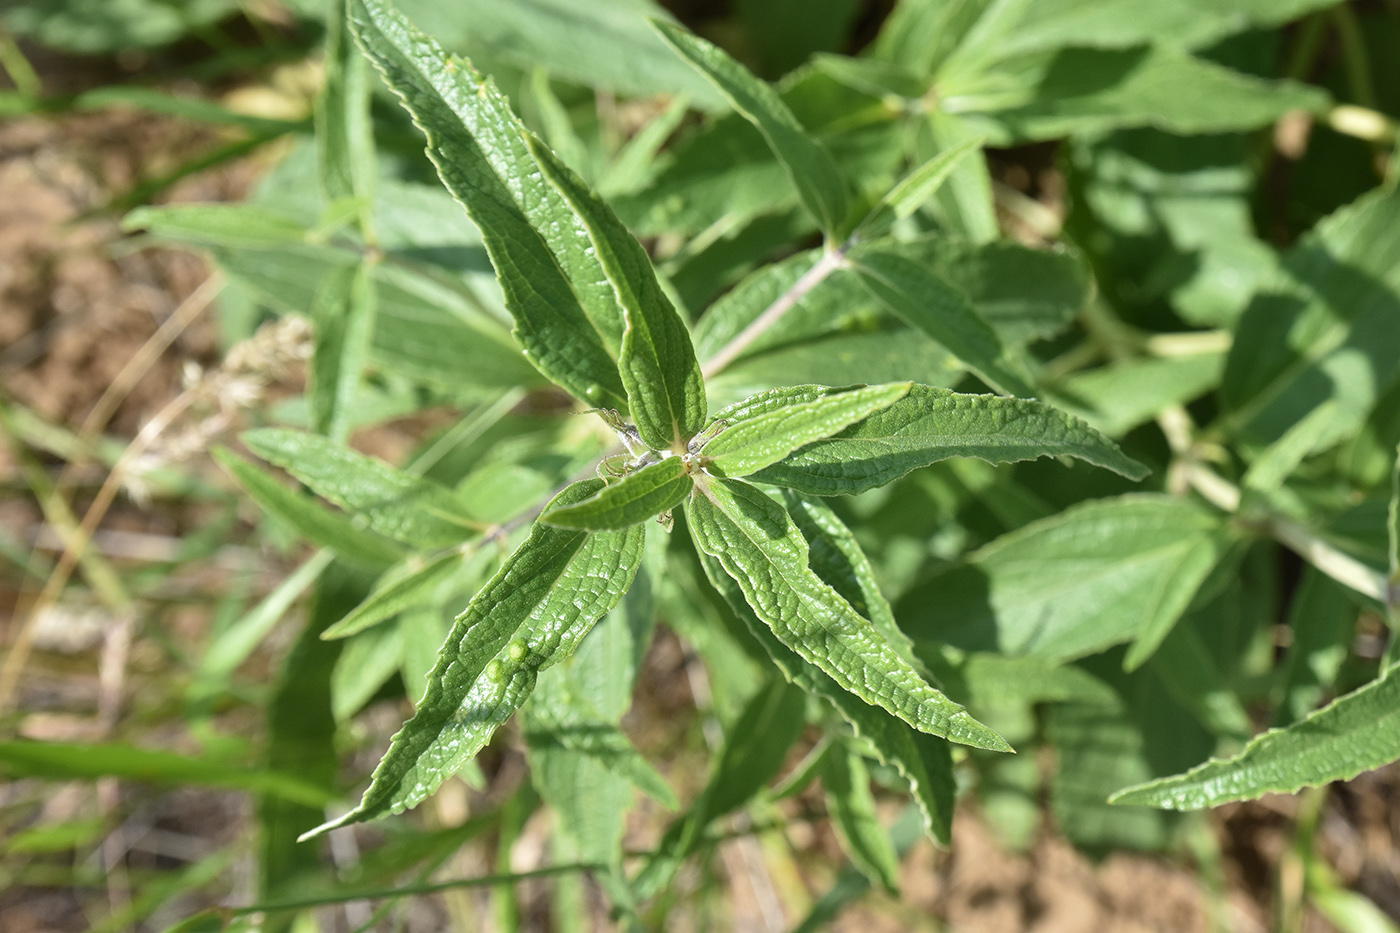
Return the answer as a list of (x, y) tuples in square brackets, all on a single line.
[(527, 199), (931, 712), (530, 615)]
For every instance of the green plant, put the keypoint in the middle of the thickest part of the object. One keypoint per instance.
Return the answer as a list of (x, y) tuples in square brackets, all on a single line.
[(840, 533)]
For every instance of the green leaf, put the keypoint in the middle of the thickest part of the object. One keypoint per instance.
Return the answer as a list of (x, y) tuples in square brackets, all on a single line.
[(81, 761), (665, 391), (1393, 526), (1324, 330), (1097, 574), (753, 752), (634, 498), (924, 761), (965, 204), (367, 661), (1123, 23), (836, 557), (609, 46), (1119, 397), (1354, 733), (929, 425), (852, 809), (749, 444), (301, 731), (566, 316), (919, 296), (342, 317), (1322, 620), (344, 134), (396, 592), (407, 508), (218, 224), (915, 188), (322, 526), (759, 546), (819, 182), (566, 718), (528, 616), (1077, 90)]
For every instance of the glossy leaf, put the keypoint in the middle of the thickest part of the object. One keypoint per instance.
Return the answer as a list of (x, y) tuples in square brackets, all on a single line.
[(665, 391), (532, 613), (322, 526), (924, 761), (1100, 573), (1354, 733), (819, 182), (634, 498), (758, 545), (852, 809), (919, 296), (752, 443), (929, 425), (396, 504), (566, 317)]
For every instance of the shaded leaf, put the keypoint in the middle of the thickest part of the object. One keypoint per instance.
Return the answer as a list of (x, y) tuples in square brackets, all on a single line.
[(852, 809), (920, 297), (396, 592), (1097, 574), (819, 182), (1354, 733), (342, 318), (319, 524), (407, 508)]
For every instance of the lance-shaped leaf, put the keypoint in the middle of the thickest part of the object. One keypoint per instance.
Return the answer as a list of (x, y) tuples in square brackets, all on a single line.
[(819, 182), (565, 314), (632, 499), (560, 715), (921, 297), (758, 545), (397, 591), (532, 613), (319, 524), (1354, 733), (753, 753), (930, 424), (753, 443), (342, 316), (852, 809), (917, 187), (404, 507), (924, 761), (1103, 572), (665, 391)]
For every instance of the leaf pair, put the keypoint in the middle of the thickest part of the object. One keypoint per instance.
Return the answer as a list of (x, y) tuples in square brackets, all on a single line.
[(587, 306)]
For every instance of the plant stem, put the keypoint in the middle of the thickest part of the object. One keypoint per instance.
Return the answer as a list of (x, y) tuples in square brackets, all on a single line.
[(831, 260)]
